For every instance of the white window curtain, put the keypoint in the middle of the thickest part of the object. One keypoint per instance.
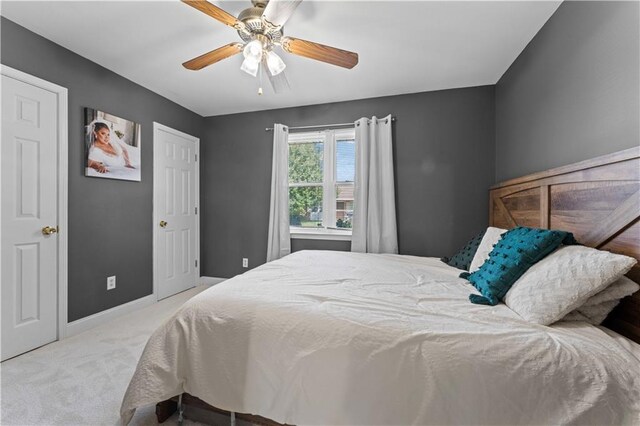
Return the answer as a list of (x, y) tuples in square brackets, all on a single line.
[(374, 216), (279, 240)]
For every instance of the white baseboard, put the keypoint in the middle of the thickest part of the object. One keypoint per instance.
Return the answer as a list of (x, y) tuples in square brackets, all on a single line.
[(87, 323), (211, 280)]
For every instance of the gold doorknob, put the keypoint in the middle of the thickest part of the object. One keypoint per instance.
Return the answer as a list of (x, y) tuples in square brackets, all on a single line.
[(48, 230), (163, 224)]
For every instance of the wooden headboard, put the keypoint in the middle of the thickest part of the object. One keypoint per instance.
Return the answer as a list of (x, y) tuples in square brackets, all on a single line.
[(598, 200)]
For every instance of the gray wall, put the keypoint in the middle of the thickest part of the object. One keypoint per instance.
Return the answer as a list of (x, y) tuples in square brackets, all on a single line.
[(300, 244), (110, 230), (573, 94), (443, 156)]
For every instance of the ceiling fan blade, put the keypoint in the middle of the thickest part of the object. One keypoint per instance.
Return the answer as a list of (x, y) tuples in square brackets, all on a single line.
[(213, 56), (279, 82), (278, 12), (320, 52), (214, 11)]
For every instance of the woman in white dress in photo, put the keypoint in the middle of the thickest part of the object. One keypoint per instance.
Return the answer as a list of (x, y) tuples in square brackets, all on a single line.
[(104, 153)]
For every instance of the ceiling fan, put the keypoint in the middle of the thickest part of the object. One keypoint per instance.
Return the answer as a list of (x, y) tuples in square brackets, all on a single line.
[(261, 29)]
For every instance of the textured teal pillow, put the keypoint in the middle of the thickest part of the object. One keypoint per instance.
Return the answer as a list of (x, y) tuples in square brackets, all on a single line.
[(517, 251), (462, 259)]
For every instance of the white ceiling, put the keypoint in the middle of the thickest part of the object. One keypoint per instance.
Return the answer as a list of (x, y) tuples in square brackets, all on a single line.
[(404, 47)]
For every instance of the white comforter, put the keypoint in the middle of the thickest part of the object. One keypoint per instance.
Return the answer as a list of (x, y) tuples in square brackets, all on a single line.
[(344, 338)]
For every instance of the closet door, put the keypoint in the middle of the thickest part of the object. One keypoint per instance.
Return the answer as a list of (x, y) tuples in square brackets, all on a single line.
[(175, 211), (29, 217)]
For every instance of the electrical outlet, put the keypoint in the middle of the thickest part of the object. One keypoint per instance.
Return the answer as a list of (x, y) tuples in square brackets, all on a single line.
[(111, 282), (245, 262)]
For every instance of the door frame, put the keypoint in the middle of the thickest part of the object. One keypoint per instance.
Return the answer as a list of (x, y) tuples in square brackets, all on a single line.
[(63, 188), (156, 185)]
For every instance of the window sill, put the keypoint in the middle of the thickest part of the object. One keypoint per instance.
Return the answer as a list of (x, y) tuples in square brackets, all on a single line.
[(319, 234)]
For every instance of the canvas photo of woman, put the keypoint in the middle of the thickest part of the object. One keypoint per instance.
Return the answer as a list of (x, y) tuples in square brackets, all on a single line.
[(112, 146)]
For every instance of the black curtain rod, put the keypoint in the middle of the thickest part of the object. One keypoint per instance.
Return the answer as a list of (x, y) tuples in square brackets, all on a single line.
[(320, 126)]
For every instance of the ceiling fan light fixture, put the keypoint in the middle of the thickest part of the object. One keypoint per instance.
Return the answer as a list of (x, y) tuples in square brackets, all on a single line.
[(253, 50), (261, 29), (275, 64), (250, 66)]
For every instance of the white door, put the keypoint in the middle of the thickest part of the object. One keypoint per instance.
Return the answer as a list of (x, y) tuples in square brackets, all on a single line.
[(175, 210), (29, 206)]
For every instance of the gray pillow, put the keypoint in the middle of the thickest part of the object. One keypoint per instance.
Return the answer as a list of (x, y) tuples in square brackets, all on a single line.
[(462, 259)]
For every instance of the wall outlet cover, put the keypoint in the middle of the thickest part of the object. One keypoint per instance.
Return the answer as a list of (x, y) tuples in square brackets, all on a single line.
[(111, 282), (245, 262)]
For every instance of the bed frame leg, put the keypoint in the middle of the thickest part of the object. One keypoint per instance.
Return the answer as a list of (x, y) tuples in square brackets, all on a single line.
[(233, 419), (165, 409), (180, 411)]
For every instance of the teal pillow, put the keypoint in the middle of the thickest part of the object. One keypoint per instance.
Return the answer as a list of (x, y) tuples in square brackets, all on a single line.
[(462, 259), (517, 250)]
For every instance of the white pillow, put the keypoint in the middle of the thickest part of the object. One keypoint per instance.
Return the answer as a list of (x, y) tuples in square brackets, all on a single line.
[(594, 314), (564, 281), (623, 287), (490, 238), (596, 309), (575, 316)]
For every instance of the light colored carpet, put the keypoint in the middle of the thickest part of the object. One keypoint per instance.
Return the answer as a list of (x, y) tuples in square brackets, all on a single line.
[(81, 380)]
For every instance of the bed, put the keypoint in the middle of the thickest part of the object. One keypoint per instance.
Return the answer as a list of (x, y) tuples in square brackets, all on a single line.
[(347, 338)]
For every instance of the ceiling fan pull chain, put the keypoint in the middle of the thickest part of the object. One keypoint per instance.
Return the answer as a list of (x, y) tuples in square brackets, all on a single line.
[(260, 68)]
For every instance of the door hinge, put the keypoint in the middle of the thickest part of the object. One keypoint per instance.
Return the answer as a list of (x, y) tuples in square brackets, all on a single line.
[(196, 210), (196, 157), (196, 263)]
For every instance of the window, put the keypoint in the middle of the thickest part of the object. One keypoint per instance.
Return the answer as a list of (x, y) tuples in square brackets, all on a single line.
[(321, 183)]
